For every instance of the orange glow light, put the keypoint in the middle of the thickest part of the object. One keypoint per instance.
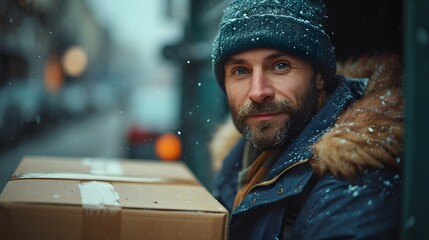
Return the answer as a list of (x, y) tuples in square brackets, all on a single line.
[(53, 75), (168, 147)]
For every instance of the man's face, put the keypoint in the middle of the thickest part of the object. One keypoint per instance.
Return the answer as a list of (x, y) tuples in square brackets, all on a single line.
[(271, 95)]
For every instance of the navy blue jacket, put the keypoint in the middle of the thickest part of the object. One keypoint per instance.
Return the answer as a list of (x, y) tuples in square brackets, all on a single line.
[(368, 208)]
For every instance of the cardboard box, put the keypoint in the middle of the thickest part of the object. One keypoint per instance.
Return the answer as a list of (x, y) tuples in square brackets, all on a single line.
[(71, 198)]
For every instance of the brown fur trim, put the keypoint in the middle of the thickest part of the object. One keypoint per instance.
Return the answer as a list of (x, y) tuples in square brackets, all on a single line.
[(222, 142), (370, 132)]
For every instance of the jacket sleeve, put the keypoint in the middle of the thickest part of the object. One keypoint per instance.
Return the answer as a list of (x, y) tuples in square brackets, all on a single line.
[(337, 209)]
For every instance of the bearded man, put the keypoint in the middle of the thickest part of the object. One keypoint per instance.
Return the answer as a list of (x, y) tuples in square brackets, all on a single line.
[(319, 153)]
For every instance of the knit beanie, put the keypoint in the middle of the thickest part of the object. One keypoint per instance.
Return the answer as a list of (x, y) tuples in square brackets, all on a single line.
[(293, 26)]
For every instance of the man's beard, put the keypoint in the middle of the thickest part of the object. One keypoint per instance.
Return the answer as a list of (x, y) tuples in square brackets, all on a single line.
[(267, 136)]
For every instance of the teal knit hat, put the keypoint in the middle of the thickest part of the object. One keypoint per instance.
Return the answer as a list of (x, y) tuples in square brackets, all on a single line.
[(293, 26)]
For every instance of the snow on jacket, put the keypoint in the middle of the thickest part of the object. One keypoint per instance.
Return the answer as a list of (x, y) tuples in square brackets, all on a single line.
[(353, 146)]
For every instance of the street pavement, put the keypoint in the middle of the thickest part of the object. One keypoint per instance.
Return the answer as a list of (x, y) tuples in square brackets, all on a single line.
[(101, 135)]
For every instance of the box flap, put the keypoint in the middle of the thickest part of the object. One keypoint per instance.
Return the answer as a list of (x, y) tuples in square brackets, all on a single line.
[(184, 195), (106, 167)]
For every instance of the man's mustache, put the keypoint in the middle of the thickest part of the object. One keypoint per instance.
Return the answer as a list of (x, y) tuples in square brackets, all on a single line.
[(253, 108)]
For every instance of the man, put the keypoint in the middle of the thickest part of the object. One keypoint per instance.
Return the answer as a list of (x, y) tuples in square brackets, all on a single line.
[(320, 154)]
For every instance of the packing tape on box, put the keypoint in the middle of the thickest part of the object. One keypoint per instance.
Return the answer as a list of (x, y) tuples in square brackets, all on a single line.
[(98, 193), (96, 177), (102, 166), (102, 211)]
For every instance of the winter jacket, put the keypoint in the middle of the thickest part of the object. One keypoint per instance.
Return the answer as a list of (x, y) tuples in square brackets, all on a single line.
[(349, 154)]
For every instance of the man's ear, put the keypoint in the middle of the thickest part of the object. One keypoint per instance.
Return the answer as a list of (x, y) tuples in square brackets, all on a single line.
[(320, 86), (320, 82)]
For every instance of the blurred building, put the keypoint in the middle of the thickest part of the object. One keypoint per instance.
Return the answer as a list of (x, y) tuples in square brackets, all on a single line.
[(54, 56)]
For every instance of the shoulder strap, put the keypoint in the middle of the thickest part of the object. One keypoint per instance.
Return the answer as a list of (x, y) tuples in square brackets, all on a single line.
[(294, 207)]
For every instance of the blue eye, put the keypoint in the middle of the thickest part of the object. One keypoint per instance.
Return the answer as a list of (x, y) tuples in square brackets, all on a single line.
[(281, 66), (240, 71)]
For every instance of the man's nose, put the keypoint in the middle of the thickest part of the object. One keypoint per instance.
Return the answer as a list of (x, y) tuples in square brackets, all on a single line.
[(261, 88)]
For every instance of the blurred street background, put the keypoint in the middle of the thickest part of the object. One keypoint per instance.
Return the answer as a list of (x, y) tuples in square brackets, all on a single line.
[(115, 79)]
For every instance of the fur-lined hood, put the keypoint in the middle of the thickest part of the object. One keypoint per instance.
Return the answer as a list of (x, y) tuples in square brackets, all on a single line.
[(369, 133)]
